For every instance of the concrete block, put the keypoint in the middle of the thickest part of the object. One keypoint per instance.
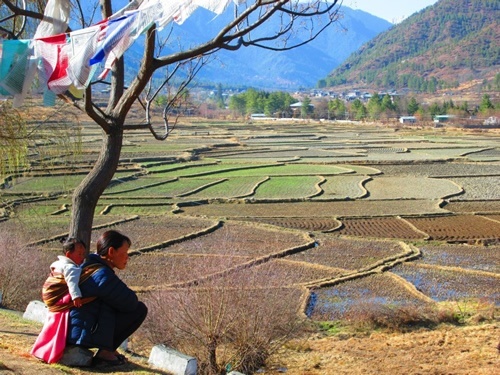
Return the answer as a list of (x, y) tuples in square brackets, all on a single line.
[(37, 311), (76, 356), (172, 361)]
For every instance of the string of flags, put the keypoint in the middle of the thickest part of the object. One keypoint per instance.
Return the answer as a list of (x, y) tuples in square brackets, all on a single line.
[(67, 62)]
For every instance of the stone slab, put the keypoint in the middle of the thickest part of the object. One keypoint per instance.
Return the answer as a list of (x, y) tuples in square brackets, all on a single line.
[(172, 361), (37, 311)]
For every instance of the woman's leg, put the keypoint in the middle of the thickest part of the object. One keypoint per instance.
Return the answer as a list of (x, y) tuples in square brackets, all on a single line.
[(127, 323)]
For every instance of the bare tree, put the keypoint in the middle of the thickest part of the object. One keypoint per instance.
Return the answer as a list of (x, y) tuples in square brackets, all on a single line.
[(243, 30), (234, 321)]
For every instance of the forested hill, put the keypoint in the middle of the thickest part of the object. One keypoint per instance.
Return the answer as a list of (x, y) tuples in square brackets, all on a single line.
[(442, 46)]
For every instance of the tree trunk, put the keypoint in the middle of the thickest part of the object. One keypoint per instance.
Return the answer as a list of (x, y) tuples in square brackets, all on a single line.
[(212, 357), (87, 194)]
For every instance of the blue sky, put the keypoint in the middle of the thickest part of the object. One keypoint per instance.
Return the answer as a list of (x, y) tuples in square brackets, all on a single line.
[(391, 10)]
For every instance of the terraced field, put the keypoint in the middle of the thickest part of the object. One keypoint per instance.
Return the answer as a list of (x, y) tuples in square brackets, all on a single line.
[(347, 208), (343, 187), (478, 187), (346, 217), (480, 258), (457, 228), (302, 223), (473, 206), (362, 296), (454, 284), (348, 254), (379, 227), (411, 188)]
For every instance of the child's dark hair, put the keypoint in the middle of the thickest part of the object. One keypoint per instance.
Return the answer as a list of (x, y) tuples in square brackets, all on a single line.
[(69, 244), (111, 238)]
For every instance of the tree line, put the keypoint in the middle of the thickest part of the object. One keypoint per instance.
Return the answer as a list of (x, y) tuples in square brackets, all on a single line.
[(377, 107), (380, 107), (272, 104)]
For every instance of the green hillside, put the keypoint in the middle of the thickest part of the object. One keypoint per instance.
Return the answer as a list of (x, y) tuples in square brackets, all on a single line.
[(442, 46)]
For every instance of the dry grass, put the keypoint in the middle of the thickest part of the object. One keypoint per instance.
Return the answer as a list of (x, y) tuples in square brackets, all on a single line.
[(445, 350)]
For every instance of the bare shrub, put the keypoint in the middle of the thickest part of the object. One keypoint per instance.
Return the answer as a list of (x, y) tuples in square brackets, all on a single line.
[(228, 321), (370, 315), (22, 271), (471, 310), (395, 318)]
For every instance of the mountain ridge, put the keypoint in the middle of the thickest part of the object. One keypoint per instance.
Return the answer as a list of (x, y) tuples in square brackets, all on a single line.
[(260, 68), (443, 46)]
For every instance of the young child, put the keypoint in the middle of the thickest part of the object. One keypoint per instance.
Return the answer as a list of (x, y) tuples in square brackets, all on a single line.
[(69, 265), (50, 344)]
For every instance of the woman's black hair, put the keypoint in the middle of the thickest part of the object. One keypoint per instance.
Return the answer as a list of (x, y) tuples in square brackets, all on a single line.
[(69, 244), (111, 238)]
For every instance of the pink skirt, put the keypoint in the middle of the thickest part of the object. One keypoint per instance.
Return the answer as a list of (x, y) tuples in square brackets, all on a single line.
[(51, 342)]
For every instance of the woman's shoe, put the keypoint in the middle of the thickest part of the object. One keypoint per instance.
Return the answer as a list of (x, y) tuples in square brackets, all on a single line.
[(109, 362), (113, 359)]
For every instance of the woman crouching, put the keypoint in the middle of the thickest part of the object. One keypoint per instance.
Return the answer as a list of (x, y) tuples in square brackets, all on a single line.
[(116, 313)]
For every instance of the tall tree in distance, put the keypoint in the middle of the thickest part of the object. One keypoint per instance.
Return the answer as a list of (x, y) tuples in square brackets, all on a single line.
[(305, 109), (413, 106), (245, 29)]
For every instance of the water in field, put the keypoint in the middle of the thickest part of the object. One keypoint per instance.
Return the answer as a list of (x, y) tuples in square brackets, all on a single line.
[(451, 284), (359, 296)]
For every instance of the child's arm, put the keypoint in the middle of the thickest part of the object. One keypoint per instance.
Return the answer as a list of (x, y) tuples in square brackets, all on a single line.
[(77, 302), (72, 277)]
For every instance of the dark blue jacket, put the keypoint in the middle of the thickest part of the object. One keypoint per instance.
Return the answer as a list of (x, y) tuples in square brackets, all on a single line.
[(92, 325)]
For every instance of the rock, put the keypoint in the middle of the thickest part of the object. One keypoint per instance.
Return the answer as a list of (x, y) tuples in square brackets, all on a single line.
[(76, 356)]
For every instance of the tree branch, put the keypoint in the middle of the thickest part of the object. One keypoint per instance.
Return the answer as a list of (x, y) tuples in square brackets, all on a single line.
[(22, 12), (146, 71), (90, 110), (234, 32)]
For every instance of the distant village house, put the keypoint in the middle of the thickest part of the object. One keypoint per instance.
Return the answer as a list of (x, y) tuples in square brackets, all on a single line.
[(407, 119)]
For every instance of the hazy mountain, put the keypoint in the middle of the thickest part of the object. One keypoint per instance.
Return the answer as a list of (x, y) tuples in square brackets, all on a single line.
[(442, 46), (301, 67)]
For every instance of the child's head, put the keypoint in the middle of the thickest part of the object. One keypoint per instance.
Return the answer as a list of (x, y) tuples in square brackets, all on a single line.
[(74, 249)]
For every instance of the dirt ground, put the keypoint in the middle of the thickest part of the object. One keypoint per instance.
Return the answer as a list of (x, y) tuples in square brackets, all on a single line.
[(448, 350), (470, 350), (17, 336)]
